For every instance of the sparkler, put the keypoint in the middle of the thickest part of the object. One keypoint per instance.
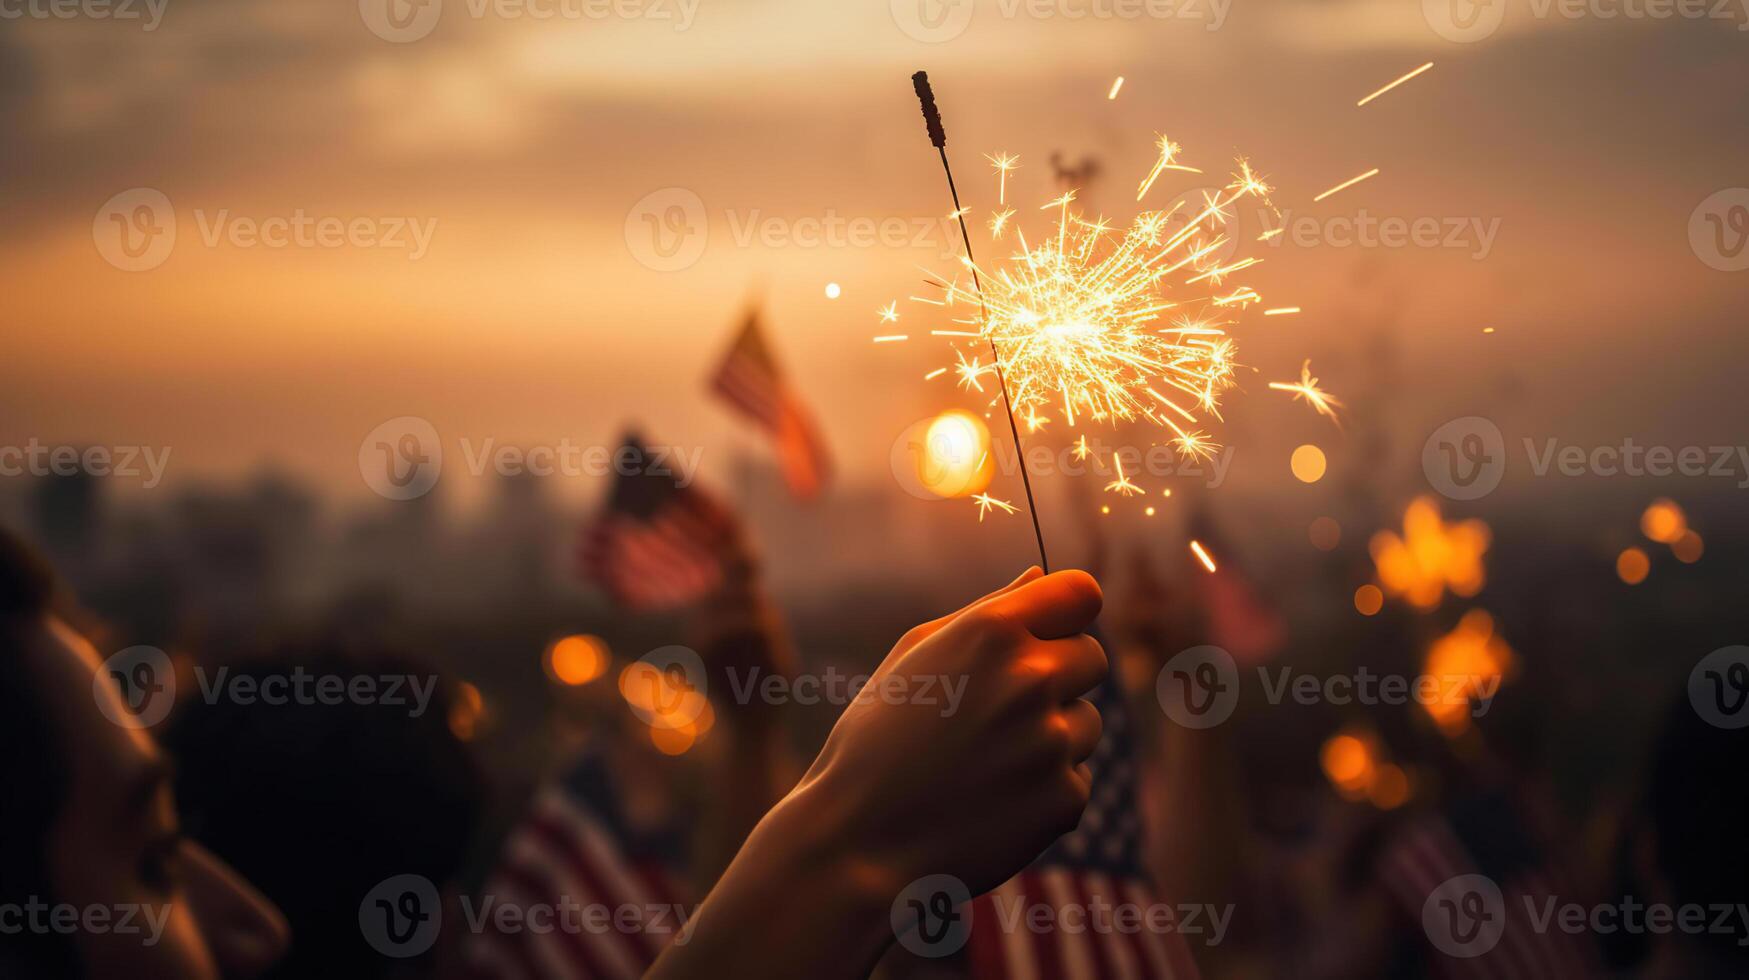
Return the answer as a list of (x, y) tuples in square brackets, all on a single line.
[(938, 137), (1092, 321)]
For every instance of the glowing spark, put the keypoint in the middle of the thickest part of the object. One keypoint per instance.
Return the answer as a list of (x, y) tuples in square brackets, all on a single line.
[(1322, 402), (892, 338), (971, 371), (1122, 484), (1003, 163), (1115, 86), (1281, 311), (952, 333), (1487, 329), (956, 215), (986, 503), (938, 372), (1394, 84), (1346, 184), (999, 221), (1271, 233), (890, 314), (1081, 449), (1202, 555), (1168, 150)]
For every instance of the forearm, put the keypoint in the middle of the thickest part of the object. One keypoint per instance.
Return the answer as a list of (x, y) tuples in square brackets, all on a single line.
[(753, 772), (794, 903)]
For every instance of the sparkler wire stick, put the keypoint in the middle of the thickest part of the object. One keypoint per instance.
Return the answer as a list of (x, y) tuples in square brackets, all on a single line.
[(938, 137)]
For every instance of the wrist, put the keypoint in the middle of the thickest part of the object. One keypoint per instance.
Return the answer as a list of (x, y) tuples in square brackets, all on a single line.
[(815, 854)]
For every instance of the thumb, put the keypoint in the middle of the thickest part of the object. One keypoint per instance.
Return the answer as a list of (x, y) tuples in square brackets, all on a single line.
[(1052, 606)]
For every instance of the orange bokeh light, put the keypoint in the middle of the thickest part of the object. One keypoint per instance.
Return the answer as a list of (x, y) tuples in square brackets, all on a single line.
[(1466, 664), (1632, 566), (1663, 521), (1431, 556), (576, 660)]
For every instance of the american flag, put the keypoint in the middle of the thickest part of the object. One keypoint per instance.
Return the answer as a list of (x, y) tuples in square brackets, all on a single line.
[(576, 847), (656, 544), (750, 380), (1479, 836), (1099, 863)]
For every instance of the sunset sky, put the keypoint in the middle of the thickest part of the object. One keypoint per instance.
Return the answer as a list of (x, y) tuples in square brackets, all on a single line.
[(525, 146)]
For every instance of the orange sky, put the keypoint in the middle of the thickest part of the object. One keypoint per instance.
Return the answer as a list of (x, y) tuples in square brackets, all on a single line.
[(525, 145)]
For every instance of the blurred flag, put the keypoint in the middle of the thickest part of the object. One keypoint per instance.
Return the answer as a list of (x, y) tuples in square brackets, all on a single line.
[(1235, 617), (1098, 865), (1424, 866), (749, 380), (576, 850), (656, 544)]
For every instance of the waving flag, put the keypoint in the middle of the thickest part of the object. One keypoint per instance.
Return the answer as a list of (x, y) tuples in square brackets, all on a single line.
[(1098, 865), (750, 381), (576, 849), (656, 544)]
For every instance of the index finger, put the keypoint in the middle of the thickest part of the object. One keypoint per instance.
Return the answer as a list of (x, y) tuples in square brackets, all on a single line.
[(1051, 607), (923, 631)]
